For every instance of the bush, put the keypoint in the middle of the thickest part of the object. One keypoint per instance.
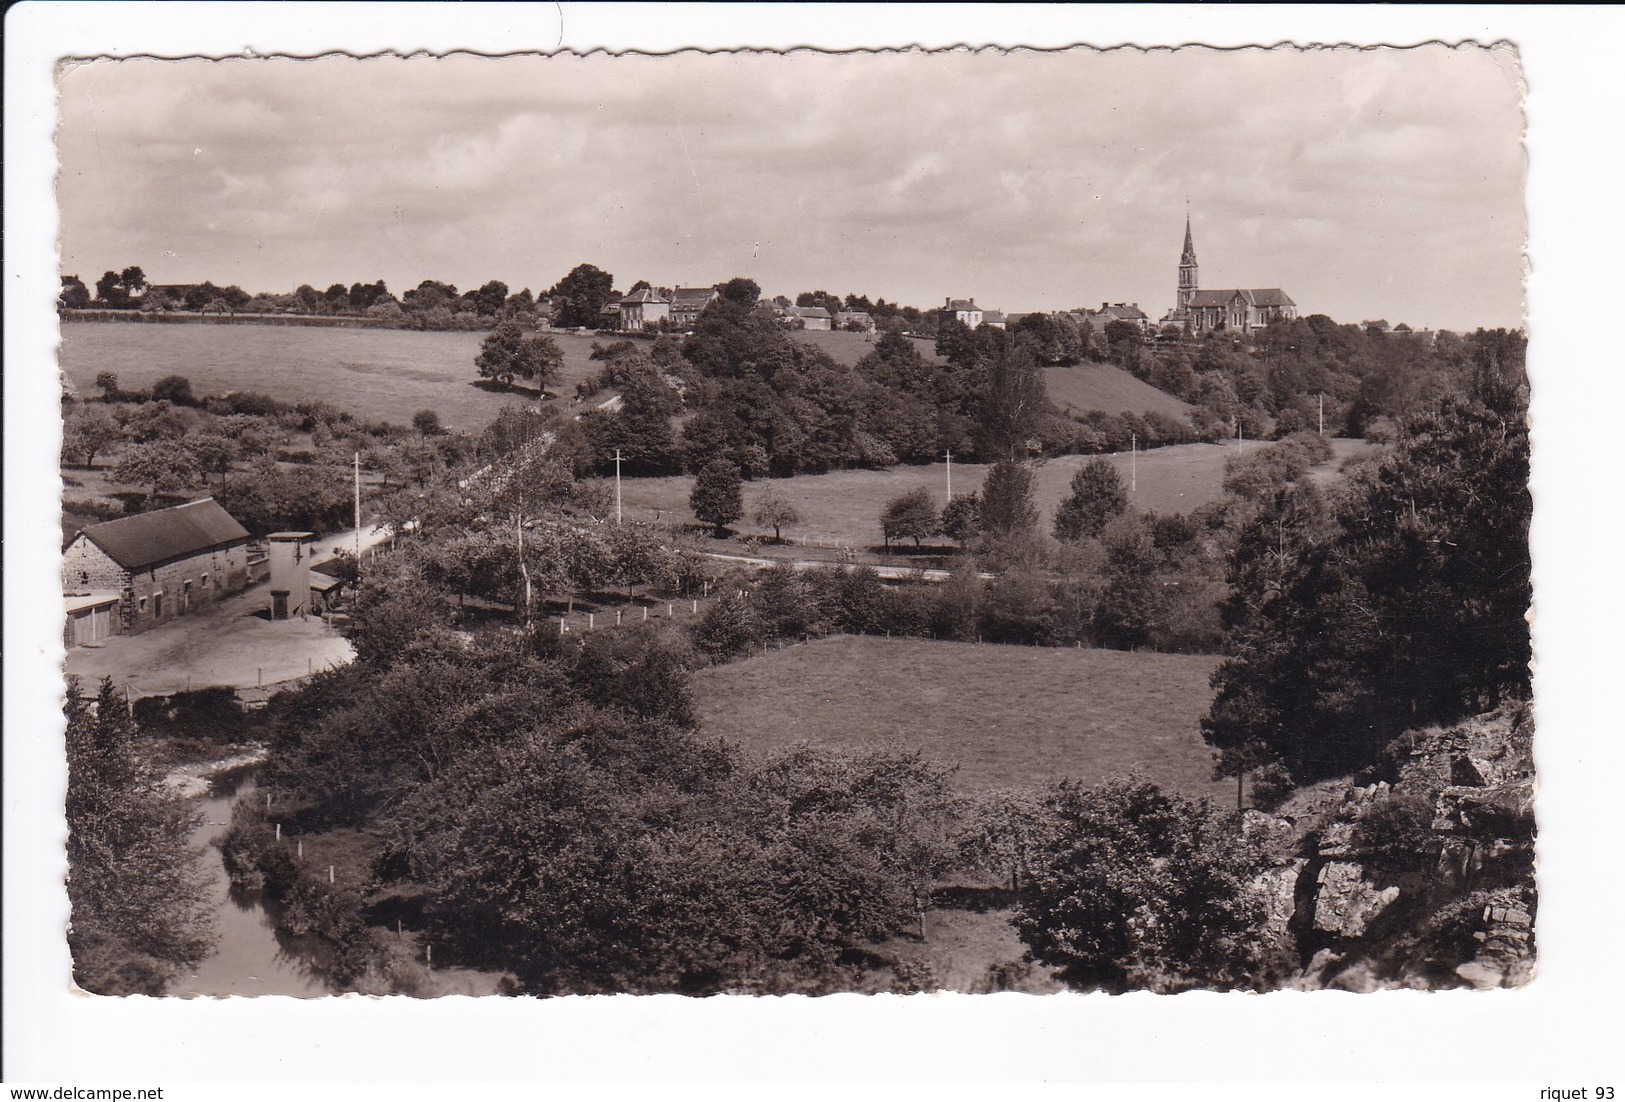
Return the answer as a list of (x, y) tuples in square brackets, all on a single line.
[(211, 715), (1271, 786)]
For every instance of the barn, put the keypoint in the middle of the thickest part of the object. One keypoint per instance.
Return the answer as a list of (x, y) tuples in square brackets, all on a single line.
[(159, 565)]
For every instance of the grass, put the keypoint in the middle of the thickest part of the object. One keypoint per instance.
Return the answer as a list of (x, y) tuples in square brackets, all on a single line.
[(1003, 715), (843, 508), (848, 348), (375, 374), (1108, 388)]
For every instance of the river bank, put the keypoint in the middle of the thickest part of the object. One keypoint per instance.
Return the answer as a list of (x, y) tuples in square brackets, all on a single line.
[(271, 946)]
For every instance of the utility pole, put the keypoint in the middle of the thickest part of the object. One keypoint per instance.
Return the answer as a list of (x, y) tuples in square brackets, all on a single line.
[(524, 571), (948, 454), (1323, 415), (617, 485), (1133, 461), (358, 509)]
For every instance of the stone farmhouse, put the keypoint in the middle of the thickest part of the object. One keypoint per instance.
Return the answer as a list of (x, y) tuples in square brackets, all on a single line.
[(642, 307), (136, 572), (812, 317), (855, 320), (963, 309)]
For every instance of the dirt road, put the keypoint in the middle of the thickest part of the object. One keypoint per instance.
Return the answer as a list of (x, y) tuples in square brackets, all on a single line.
[(231, 643)]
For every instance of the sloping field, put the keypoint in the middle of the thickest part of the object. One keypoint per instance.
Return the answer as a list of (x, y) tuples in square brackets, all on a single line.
[(843, 507), (1109, 389), (1005, 715), (848, 348), (376, 374)]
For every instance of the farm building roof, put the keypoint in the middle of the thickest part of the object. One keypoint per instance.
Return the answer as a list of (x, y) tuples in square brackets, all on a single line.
[(692, 296), (811, 312), (642, 295), (163, 535)]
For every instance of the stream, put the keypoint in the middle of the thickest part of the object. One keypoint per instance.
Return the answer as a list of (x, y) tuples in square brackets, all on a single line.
[(252, 957)]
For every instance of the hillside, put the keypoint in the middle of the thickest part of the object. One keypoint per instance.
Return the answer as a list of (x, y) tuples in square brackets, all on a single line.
[(847, 349), (1004, 715), (1110, 389)]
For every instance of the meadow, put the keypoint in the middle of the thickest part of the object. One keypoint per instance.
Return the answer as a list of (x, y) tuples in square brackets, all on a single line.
[(842, 508), (375, 374), (1003, 715)]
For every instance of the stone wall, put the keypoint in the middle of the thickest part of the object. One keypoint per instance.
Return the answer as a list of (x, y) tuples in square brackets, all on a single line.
[(191, 582)]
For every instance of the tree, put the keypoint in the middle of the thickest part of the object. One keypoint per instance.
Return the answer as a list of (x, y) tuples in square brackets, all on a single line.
[(1013, 403), (775, 510), (133, 280), (962, 518), (716, 496), (107, 383), (138, 898), (427, 423), (110, 292), (75, 295), (175, 389), (508, 353), (213, 452), (740, 292), (1007, 500), (1405, 607), (912, 515), (86, 433), (1098, 495), (1141, 889), (164, 465), (580, 296)]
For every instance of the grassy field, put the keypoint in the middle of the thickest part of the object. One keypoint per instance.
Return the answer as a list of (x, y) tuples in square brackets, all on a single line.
[(377, 374), (1004, 715), (1104, 387), (843, 508)]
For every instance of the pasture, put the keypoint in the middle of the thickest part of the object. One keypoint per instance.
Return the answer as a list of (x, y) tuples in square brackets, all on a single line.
[(1003, 715), (1105, 387), (842, 508), (375, 374)]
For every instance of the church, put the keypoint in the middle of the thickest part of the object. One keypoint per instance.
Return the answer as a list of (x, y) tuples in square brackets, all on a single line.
[(1236, 310)]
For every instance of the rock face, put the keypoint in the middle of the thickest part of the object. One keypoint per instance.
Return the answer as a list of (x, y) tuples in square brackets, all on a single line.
[(1506, 950), (1377, 891), (1346, 902)]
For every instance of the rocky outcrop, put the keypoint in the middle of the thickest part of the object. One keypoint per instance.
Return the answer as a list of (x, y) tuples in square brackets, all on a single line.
[(1346, 902), (1383, 897)]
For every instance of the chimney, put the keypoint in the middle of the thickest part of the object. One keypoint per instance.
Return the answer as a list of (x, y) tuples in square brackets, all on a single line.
[(1105, 305), (948, 303)]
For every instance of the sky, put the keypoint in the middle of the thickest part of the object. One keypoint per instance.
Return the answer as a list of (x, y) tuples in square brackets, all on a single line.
[(1366, 183)]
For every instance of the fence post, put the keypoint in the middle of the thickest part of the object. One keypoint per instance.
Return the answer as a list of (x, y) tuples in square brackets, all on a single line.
[(617, 617), (590, 623)]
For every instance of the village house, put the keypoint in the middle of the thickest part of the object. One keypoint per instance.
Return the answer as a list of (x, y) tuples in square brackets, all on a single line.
[(964, 310), (994, 318), (812, 317), (1118, 311), (855, 321), (687, 303), (643, 307), (159, 565)]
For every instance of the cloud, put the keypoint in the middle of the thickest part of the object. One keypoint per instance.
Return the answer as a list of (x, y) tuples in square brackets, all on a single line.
[(1025, 179)]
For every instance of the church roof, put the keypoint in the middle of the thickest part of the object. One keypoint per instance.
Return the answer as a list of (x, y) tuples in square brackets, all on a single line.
[(1189, 255), (1258, 296)]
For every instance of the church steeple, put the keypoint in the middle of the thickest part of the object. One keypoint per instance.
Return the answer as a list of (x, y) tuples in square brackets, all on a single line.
[(1187, 268)]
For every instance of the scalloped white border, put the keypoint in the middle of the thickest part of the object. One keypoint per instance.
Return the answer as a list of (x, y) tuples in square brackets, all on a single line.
[(1557, 1031)]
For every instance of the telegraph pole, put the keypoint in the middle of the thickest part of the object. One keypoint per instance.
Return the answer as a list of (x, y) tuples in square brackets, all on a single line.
[(1133, 461), (1323, 415), (617, 485), (358, 509), (948, 454)]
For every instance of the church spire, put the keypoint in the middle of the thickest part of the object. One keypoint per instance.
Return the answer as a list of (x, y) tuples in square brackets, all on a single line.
[(1187, 266)]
